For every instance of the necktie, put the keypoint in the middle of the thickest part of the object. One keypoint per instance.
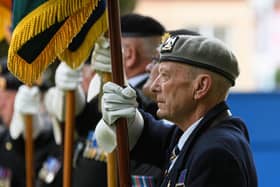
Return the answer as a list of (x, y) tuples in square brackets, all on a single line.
[(174, 155)]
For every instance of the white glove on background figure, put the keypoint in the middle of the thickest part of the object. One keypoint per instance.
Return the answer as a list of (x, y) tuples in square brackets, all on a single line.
[(118, 102), (65, 79), (27, 101), (101, 56), (94, 87), (100, 62)]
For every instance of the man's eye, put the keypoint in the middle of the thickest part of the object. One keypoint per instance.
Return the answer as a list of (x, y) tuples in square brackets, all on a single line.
[(164, 76)]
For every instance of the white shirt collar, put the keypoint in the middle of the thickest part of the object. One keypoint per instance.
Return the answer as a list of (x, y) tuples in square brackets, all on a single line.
[(137, 79), (187, 134), (183, 139)]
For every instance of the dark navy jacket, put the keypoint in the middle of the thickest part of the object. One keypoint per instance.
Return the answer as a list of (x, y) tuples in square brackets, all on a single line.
[(13, 158), (217, 154)]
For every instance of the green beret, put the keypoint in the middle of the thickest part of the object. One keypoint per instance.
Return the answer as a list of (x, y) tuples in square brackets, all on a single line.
[(203, 52)]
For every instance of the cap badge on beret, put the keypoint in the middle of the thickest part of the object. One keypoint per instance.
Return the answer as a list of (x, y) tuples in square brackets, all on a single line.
[(168, 45), (165, 37)]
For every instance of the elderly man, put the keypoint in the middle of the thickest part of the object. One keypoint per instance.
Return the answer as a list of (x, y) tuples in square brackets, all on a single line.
[(207, 147)]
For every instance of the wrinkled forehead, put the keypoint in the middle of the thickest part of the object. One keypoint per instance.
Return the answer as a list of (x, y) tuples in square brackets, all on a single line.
[(173, 67)]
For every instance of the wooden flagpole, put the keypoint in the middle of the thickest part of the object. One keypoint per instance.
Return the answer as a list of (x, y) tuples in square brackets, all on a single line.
[(117, 74), (29, 165), (112, 173), (68, 138)]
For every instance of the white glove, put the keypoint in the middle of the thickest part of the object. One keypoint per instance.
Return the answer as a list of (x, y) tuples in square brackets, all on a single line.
[(67, 78), (118, 102), (55, 105), (100, 62), (94, 87), (27, 101), (101, 56)]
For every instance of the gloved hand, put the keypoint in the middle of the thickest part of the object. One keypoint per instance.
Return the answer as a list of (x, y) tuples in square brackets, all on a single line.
[(27, 101), (65, 79), (101, 56), (100, 62), (118, 102), (54, 102)]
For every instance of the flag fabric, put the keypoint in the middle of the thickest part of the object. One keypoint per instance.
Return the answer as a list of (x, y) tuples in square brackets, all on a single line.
[(81, 46), (5, 19), (48, 30)]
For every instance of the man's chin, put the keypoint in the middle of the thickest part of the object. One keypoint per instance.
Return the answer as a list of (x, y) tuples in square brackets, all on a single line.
[(161, 114)]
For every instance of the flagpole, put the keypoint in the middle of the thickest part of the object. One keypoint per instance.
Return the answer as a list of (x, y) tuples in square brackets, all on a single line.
[(117, 74), (29, 165), (112, 173), (68, 138)]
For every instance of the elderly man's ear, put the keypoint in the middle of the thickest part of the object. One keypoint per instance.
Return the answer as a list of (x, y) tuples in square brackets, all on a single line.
[(130, 55), (202, 86)]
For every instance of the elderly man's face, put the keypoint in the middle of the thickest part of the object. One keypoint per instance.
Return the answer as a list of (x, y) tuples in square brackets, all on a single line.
[(151, 68), (174, 91)]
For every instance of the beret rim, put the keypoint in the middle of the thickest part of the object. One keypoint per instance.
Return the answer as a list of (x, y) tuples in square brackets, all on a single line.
[(200, 65)]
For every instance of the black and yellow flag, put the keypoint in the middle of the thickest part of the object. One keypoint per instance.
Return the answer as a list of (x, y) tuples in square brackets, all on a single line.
[(64, 28)]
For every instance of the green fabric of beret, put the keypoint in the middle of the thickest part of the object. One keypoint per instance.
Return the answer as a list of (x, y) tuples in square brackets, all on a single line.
[(203, 52)]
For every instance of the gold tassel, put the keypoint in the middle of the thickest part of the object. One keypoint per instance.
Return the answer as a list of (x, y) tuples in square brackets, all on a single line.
[(76, 58), (76, 12)]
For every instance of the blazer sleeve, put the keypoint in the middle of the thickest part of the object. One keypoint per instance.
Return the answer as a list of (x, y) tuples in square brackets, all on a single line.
[(152, 147)]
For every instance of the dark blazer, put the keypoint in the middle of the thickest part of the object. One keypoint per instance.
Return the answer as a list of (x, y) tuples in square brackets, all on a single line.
[(217, 154), (12, 157), (11, 160)]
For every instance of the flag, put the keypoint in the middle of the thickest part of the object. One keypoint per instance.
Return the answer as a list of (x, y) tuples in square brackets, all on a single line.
[(44, 29), (82, 44)]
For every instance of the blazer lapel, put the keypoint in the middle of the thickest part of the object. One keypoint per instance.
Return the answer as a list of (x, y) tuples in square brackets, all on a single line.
[(205, 123)]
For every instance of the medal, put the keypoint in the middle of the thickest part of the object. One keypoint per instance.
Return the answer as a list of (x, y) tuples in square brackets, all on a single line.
[(92, 151), (49, 170)]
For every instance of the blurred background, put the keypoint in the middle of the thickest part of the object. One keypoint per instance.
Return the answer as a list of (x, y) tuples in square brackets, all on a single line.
[(252, 29)]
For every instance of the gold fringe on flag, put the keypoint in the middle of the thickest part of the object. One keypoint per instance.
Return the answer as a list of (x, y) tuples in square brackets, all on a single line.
[(76, 58), (76, 13)]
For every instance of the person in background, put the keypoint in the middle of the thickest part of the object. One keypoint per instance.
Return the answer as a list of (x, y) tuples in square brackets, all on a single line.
[(141, 35), (16, 100), (207, 146), (12, 169)]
